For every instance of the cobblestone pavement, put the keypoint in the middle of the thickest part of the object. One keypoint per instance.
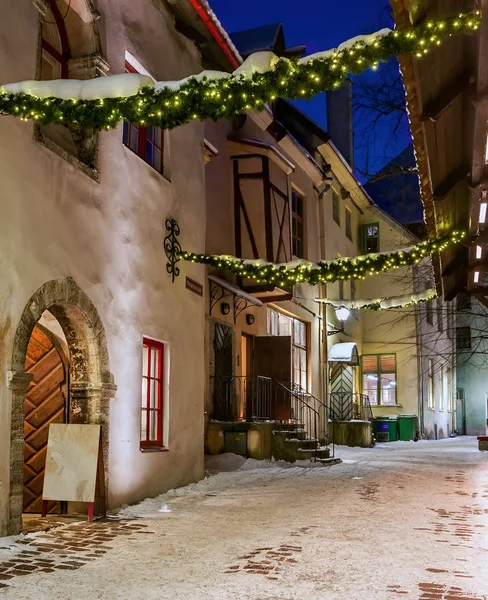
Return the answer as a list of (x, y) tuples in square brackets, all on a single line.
[(400, 520), (67, 548)]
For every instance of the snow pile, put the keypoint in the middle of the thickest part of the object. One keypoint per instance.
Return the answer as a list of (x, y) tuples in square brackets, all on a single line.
[(113, 86)]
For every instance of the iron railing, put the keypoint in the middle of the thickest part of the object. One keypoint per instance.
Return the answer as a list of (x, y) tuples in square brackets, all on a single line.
[(347, 406), (238, 398)]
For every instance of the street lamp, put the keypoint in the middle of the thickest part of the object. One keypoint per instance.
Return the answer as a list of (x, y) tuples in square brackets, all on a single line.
[(342, 315)]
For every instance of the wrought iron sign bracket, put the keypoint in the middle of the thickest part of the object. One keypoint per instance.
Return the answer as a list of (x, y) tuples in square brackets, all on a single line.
[(217, 293), (240, 304), (172, 248)]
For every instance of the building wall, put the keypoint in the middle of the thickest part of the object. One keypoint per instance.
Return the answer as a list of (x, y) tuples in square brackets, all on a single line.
[(108, 235), (471, 369)]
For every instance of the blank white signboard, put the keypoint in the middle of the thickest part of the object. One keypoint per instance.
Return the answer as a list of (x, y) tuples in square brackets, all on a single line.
[(71, 462)]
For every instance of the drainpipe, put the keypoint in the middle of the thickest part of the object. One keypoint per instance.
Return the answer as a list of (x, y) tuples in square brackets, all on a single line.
[(209, 20)]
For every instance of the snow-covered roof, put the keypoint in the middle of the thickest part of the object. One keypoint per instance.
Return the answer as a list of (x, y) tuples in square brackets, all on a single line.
[(347, 352)]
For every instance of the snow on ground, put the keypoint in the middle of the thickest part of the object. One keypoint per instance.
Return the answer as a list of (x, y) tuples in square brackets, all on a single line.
[(398, 520)]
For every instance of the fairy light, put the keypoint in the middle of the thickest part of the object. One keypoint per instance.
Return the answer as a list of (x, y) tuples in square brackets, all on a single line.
[(169, 108)]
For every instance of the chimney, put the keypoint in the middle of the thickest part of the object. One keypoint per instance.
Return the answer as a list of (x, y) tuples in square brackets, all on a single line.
[(339, 120)]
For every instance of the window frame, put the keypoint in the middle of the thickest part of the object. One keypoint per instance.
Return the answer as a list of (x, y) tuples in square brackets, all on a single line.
[(336, 208), (348, 223), (46, 48), (364, 238), (158, 443), (297, 243), (378, 374), (143, 138)]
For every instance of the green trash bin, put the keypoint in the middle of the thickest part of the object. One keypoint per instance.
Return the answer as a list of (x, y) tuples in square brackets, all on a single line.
[(385, 429), (407, 427)]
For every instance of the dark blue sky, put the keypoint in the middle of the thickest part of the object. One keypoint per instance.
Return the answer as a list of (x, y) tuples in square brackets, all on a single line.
[(319, 25)]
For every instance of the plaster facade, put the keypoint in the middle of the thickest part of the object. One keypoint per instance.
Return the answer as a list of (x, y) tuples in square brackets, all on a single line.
[(97, 233)]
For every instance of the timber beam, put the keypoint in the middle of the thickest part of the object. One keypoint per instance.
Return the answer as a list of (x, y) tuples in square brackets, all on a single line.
[(450, 182), (434, 109)]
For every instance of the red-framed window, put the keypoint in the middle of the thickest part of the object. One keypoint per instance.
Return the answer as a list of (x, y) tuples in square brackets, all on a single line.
[(145, 141), (54, 45), (152, 394)]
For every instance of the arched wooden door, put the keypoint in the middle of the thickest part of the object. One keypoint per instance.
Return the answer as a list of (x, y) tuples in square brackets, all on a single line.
[(45, 403)]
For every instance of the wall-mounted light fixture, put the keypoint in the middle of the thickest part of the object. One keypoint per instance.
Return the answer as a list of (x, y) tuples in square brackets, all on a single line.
[(476, 276), (342, 315), (482, 218), (225, 308), (250, 319)]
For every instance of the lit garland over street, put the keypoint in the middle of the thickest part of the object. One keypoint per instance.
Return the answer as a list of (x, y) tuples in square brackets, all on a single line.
[(382, 303), (222, 95), (300, 271)]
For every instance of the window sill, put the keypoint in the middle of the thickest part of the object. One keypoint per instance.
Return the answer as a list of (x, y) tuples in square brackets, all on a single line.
[(151, 449)]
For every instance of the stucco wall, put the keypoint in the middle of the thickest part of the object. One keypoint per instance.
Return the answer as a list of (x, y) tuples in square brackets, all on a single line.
[(472, 368), (58, 222)]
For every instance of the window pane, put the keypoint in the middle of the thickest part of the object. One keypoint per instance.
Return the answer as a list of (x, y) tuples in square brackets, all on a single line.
[(303, 359), (154, 362), (144, 398), (157, 160), (157, 137), (153, 393), (370, 388), (143, 425), (388, 389), (134, 138), (149, 152), (145, 352), (153, 425), (387, 363), (125, 137), (285, 324), (370, 364)]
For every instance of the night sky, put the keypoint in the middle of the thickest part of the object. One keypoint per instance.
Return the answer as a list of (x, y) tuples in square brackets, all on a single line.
[(319, 25)]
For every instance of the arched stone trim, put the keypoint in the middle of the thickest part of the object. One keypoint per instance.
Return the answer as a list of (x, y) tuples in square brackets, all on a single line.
[(92, 383)]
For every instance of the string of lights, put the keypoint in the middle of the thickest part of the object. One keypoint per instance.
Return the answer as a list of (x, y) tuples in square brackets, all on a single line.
[(222, 97), (301, 271)]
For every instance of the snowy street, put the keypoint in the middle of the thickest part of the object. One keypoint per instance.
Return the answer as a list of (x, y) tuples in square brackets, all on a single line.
[(399, 520)]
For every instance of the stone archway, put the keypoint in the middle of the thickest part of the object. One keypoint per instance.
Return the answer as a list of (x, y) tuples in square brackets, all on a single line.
[(91, 385)]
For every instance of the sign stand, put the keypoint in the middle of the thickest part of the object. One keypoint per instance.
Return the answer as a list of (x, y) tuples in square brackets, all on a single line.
[(74, 467)]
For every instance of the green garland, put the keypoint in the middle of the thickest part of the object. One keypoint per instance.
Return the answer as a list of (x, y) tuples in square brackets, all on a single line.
[(300, 271), (223, 98), (392, 303)]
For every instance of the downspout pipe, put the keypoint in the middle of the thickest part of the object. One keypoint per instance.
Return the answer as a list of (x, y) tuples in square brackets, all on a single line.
[(202, 10)]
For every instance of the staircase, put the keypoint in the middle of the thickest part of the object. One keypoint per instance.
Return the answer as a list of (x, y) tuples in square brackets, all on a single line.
[(292, 442)]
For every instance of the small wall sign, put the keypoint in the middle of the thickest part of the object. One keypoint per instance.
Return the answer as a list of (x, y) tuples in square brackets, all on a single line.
[(194, 286)]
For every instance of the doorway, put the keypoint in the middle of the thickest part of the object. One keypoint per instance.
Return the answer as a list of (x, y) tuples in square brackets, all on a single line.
[(247, 376), (46, 402), (224, 408)]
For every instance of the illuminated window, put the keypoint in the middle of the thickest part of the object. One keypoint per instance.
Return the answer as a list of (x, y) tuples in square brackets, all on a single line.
[(348, 224), (379, 379), (336, 213), (297, 224), (152, 394), (370, 235), (146, 142), (283, 325)]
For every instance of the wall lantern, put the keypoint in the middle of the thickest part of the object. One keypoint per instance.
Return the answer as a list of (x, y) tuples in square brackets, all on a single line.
[(342, 315), (250, 319), (225, 308)]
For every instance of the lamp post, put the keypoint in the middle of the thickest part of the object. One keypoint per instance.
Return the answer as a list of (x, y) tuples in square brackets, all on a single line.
[(342, 314)]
